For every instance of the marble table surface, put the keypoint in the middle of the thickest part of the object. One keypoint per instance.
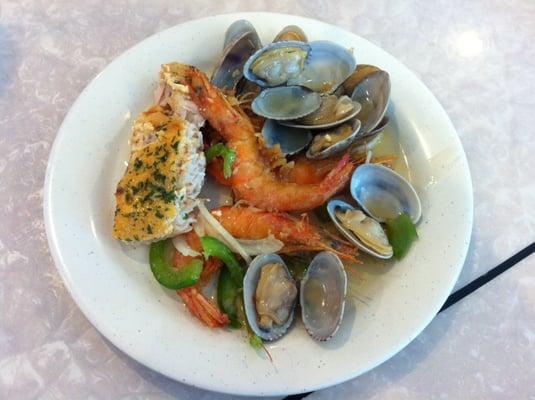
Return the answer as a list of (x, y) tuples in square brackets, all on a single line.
[(475, 56)]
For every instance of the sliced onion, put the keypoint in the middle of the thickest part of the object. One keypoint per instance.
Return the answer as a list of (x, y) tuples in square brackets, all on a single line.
[(198, 228), (267, 245), (182, 246), (214, 228)]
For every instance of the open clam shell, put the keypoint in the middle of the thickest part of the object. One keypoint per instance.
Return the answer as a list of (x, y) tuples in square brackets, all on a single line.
[(286, 102), (384, 194), (361, 72), (373, 93), (250, 283), (320, 147), (239, 29), (241, 40), (277, 63), (327, 66), (321, 65), (332, 112), (322, 296), (335, 206), (291, 140)]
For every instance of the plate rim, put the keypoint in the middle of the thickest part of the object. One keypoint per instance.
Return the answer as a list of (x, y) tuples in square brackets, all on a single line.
[(62, 266)]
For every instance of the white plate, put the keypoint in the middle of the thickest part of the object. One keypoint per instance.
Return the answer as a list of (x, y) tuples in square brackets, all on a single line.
[(115, 288)]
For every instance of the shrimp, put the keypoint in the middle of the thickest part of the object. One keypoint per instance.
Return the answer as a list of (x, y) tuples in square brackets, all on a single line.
[(297, 234), (197, 304), (252, 179), (306, 171), (202, 308)]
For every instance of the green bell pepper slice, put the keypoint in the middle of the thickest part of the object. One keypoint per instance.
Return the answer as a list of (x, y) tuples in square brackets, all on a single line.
[(401, 233), (229, 156), (161, 265), (212, 247), (227, 293)]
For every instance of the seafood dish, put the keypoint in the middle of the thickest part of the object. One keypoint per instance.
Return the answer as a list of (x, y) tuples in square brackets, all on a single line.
[(294, 133)]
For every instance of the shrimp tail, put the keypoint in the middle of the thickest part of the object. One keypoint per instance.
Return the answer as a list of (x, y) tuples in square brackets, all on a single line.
[(338, 177), (202, 308)]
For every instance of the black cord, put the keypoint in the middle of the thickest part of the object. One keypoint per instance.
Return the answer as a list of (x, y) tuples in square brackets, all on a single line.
[(487, 277), (466, 290)]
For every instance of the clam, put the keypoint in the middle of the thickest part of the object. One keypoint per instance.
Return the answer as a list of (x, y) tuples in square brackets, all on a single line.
[(241, 40), (384, 194), (373, 93), (361, 72), (334, 141), (365, 232), (286, 102), (327, 66), (322, 296), (291, 32), (321, 66), (277, 63), (368, 141), (269, 294), (291, 140), (239, 29), (333, 111)]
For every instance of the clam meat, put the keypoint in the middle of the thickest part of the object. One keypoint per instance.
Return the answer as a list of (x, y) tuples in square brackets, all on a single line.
[(323, 141), (277, 63), (275, 296), (321, 65), (369, 231), (334, 141), (269, 296), (332, 109)]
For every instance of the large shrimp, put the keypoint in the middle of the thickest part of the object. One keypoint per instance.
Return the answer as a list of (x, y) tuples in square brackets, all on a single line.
[(306, 171), (252, 179), (297, 234)]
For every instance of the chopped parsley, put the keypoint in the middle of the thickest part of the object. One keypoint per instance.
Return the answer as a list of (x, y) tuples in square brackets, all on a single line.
[(138, 164)]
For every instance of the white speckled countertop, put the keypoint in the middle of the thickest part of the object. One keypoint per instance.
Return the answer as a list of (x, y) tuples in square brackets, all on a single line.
[(476, 57)]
